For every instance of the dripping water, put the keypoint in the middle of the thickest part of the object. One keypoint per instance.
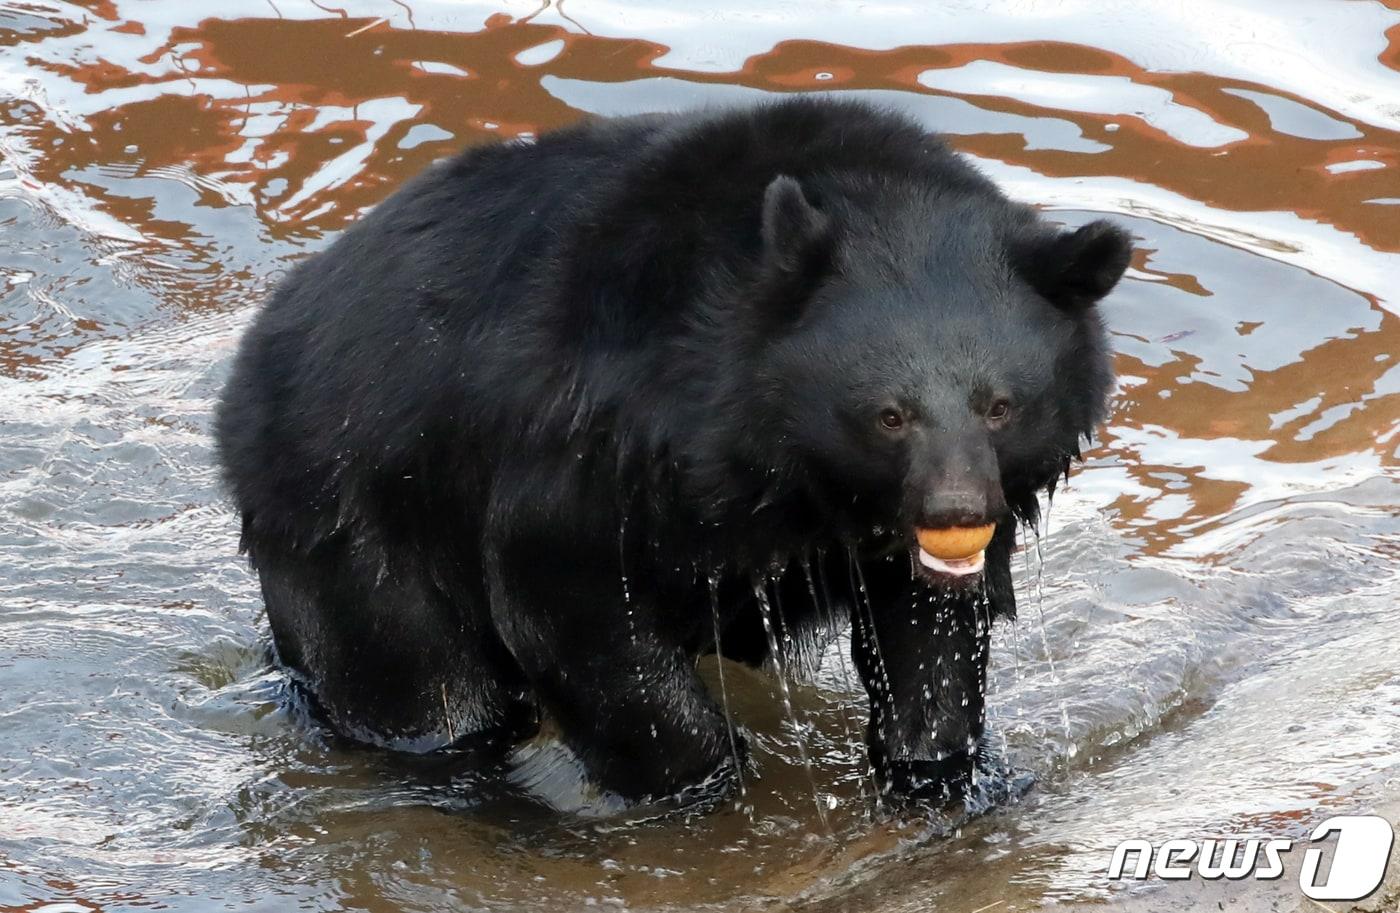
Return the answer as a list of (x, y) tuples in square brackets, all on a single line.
[(626, 585), (850, 684), (987, 677), (1044, 631), (982, 640), (865, 614), (824, 609), (865, 618), (1040, 556), (765, 609), (627, 588), (796, 659), (723, 689)]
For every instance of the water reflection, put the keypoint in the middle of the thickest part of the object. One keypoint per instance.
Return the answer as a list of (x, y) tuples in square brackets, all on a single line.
[(1232, 540)]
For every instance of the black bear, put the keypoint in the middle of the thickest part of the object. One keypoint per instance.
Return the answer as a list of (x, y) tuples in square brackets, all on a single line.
[(560, 417)]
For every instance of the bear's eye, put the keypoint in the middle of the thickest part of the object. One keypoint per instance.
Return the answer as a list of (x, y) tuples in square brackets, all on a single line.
[(891, 419), (999, 410)]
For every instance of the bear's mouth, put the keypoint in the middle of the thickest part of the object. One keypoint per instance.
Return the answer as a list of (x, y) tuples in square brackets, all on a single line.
[(956, 567), (954, 551)]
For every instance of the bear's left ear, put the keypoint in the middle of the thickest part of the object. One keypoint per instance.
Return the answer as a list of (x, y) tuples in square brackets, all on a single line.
[(792, 227), (797, 249), (1075, 269)]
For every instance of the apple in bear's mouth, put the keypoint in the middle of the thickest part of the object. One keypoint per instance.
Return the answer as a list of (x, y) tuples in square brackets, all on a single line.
[(956, 551)]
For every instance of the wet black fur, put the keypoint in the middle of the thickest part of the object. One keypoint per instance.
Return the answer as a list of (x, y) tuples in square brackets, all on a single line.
[(494, 446)]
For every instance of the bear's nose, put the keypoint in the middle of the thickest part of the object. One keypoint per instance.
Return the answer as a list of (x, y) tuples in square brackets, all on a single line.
[(962, 504), (958, 481)]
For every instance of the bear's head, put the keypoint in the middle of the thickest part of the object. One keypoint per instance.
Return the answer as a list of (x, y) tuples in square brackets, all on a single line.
[(922, 360)]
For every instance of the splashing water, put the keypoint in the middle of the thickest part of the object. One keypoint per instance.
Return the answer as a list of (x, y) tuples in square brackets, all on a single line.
[(865, 615), (1070, 749), (765, 609), (723, 688), (853, 745)]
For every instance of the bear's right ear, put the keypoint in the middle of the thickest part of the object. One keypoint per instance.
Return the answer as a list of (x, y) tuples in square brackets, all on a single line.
[(1075, 269), (796, 245)]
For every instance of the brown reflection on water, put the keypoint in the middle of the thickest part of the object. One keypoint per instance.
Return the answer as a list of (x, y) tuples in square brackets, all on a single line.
[(1339, 372), (299, 66), (1286, 173)]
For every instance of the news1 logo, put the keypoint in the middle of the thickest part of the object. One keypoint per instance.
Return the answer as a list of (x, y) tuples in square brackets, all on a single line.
[(1358, 863)]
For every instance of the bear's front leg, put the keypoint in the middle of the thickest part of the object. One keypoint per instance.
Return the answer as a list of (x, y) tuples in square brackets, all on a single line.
[(597, 651), (922, 653)]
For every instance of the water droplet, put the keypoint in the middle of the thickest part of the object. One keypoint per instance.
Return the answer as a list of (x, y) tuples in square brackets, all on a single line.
[(723, 690), (765, 609)]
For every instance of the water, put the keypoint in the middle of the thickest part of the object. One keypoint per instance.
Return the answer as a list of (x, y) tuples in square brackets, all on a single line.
[(724, 692), (780, 668), (1219, 578)]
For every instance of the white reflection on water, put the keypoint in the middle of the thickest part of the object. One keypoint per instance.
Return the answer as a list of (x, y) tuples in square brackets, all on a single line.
[(1090, 94)]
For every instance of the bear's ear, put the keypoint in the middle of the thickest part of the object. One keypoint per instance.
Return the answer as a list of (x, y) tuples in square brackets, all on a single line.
[(1074, 269), (797, 250), (793, 230)]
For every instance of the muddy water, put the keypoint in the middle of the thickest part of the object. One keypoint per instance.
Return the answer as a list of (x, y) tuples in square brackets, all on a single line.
[(1209, 641)]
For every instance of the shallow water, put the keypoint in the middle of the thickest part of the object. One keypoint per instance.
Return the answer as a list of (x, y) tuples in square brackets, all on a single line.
[(1219, 650)]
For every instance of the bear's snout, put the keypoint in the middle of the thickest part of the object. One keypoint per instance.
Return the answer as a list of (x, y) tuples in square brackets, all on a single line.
[(957, 506), (970, 502), (959, 483)]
